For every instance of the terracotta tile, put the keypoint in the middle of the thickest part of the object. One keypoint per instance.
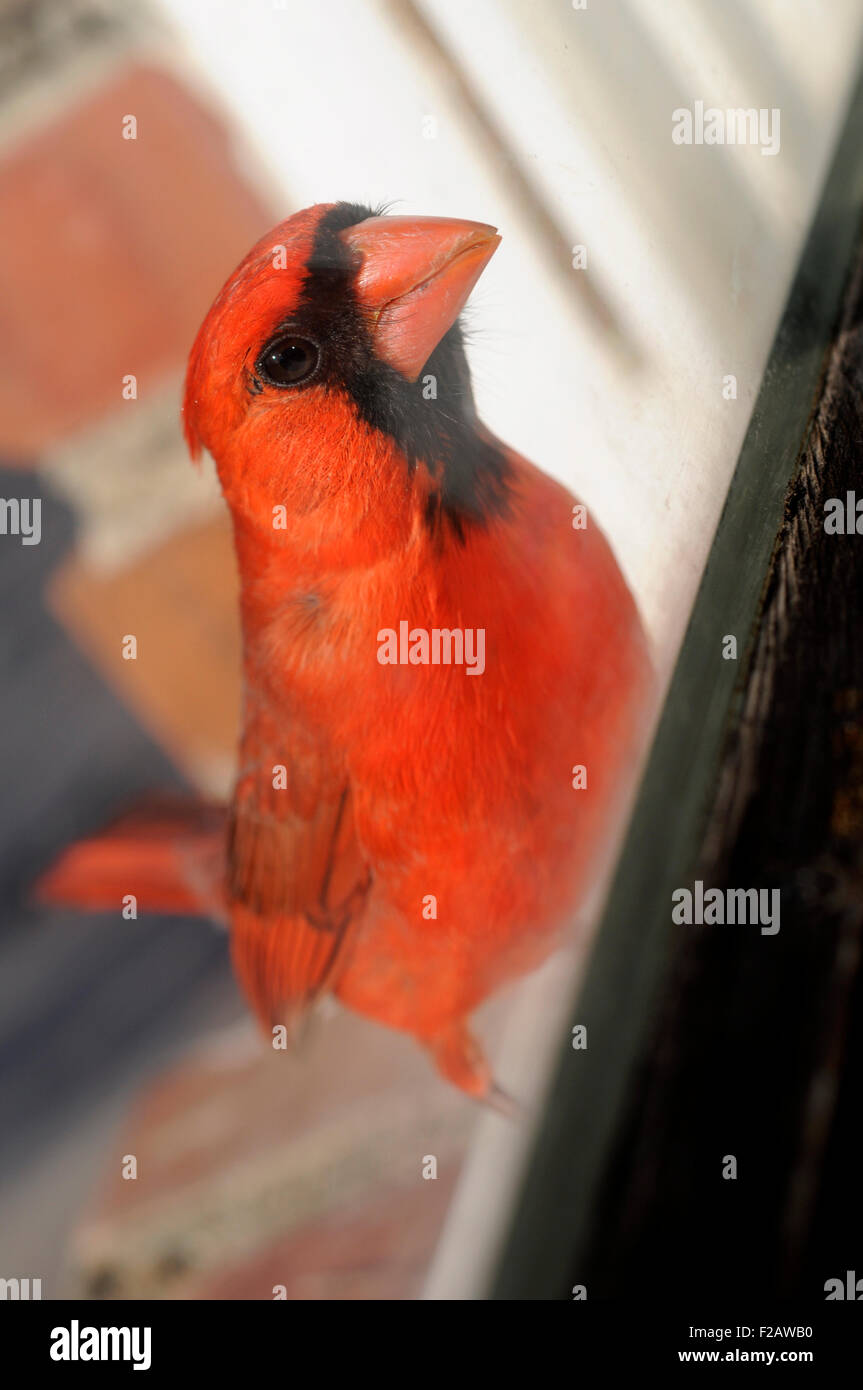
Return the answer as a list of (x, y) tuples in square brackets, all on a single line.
[(258, 1167), (111, 251), (378, 1249), (180, 602)]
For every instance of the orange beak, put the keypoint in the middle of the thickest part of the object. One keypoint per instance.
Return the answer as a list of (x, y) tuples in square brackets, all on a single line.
[(414, 279)]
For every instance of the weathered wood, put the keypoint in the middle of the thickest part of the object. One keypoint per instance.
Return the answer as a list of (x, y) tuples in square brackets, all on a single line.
[(710, 1041), (759, 1052)]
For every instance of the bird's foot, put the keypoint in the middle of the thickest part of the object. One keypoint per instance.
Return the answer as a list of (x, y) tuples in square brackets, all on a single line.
[(460, 1059), (496, 1098)]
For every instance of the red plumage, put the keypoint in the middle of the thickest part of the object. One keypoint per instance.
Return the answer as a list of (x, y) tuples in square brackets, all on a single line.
[(355, 511)]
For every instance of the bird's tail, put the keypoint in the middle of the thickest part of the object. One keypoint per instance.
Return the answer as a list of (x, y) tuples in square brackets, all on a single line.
[(167, 851)]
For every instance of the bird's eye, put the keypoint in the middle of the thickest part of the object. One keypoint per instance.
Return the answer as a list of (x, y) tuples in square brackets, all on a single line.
[(288, 360)]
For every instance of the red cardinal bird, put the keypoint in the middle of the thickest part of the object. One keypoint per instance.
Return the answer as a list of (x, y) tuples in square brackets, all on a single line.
[(429, 647)]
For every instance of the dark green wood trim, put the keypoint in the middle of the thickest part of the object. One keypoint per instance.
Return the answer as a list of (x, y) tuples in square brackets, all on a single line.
[(551, 1226)]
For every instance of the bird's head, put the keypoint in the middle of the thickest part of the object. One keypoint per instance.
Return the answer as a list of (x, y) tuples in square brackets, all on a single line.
[(331, 363)]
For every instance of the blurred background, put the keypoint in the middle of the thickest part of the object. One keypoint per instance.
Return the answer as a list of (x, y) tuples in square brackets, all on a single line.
[(636, 279)]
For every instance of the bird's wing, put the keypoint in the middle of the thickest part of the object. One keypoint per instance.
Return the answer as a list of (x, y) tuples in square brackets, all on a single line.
[(297, 876)]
